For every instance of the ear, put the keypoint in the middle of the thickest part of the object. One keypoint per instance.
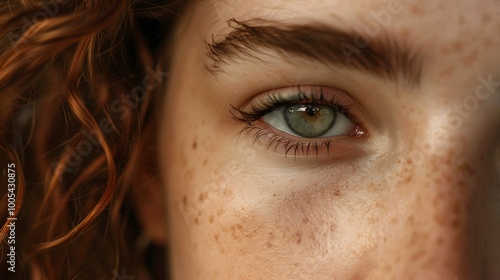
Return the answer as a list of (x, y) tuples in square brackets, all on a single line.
[(147, 188), (151, 209)]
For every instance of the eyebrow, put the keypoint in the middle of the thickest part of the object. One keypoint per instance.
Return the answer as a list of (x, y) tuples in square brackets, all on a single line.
[(380, 56)]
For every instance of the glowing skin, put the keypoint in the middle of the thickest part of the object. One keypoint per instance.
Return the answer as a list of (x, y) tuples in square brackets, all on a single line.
[(418, 197)]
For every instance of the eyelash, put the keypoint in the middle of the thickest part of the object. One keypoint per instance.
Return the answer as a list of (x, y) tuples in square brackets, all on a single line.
[(275, 102)]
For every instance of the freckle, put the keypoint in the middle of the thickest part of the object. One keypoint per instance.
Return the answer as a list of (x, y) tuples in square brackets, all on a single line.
[(332, 228), (305, 220), (196, 221), (274, 194), (456, 207), (227, 192), (461, 20), (407, 179), (312, 237), (184, 200), (194, 145), (205, 162), (417, 255), (337, 192), (202, 196), (211, 219), (416, 10), (457, 46), (439, 241), (220, 212), (298, 237), (406, 32), (486, 18), (469, 169), (439, 219), (470, 58), (235, 233), (447, 72)]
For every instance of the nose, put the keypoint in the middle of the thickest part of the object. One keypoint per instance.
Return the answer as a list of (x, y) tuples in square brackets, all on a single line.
[(452, 219)]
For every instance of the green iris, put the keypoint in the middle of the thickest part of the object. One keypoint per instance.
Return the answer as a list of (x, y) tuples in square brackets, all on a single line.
[(309, 121)]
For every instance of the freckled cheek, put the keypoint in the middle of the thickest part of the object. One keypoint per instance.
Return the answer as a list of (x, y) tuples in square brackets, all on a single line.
[(286, 233), (272, 237)]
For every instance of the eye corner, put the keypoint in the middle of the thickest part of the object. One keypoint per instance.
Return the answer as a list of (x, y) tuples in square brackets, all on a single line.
[(359, 131)]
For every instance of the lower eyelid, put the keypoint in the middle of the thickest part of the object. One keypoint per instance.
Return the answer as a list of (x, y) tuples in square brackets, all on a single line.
[(274, 141)]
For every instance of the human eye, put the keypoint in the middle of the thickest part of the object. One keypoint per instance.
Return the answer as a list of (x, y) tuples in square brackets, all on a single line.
[(300, 120)]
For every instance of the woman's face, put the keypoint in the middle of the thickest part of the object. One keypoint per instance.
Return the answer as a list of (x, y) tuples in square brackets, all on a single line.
[(334, 140)]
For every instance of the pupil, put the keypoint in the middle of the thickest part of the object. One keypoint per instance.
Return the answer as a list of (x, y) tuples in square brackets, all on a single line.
[(311, 111)]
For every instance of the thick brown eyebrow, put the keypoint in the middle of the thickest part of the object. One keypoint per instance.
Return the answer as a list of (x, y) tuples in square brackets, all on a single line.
[(380, 56)]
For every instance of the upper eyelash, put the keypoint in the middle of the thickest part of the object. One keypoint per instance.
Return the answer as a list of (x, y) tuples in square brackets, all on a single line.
[(275, 102)]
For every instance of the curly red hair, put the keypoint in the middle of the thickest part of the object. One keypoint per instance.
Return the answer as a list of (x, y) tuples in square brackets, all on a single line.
[(78, 82)]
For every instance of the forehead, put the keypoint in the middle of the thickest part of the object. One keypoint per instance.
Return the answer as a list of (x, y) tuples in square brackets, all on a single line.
[(465, 19), (458, 12), (459, 39)]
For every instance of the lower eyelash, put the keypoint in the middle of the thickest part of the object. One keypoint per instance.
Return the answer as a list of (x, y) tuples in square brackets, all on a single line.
[(297, 147)]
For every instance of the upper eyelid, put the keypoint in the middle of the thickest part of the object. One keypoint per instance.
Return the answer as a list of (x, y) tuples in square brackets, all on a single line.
[(299, 93), (318, 94), (304, 93)]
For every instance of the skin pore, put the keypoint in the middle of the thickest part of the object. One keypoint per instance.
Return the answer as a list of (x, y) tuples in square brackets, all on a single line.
[(415, 195)]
